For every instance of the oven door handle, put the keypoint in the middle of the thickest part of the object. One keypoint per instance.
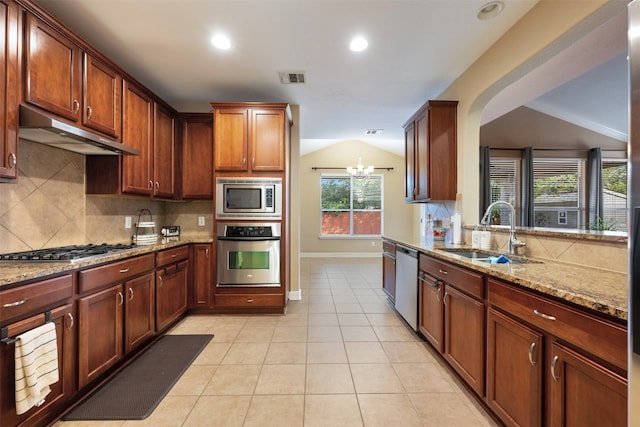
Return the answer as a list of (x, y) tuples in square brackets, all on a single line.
[(248, 239)]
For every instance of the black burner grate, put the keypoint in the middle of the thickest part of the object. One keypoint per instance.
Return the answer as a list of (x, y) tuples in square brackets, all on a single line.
[(65, 253)]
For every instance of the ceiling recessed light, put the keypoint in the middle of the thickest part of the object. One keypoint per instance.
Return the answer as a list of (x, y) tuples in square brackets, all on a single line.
[(490, 10), (221, 41), (358, 44)]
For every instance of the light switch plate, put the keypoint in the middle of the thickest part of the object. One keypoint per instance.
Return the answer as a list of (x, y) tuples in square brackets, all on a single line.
[(127, 222), (201, 221)]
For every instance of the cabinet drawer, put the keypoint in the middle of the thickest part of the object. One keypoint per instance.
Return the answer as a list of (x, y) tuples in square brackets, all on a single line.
[(28, 299), (117, 272), (249, 300), (388, 247), (598, 337), (168, 256), (460, 278)]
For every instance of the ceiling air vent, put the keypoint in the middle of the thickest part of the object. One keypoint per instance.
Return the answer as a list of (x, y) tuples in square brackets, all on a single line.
[(373, 132), (292, 77)]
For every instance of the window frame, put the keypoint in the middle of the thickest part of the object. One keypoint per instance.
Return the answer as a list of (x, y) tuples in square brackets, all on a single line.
[(351, 210)]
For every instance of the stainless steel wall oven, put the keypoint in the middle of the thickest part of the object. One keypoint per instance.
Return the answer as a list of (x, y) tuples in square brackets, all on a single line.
[(248, 254)]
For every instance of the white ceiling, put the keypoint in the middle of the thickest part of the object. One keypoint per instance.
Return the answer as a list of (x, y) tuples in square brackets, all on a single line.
[(416, 49)]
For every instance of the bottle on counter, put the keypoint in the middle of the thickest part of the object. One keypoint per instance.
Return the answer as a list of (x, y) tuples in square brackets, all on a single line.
[(456, 226)]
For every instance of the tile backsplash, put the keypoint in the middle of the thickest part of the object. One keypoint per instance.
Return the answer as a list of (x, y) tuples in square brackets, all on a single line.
[(48, 207)]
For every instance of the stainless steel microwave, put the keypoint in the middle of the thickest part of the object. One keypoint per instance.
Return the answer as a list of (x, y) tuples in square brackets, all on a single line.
[(248, 198)]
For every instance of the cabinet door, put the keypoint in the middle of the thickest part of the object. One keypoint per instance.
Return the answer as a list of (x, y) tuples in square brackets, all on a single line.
[(164, 153), (431, 311), (171, 293), (137, 132), (197, 158), (267, 140), (421, 174), (61, 391), (464, 336), (409, 162), (231, 139), (442, 146), (8, 90), (389, 275), (201, 278), (52, 70), (514, 370), (102, 93), (583, 392), (139, 317), (100, 333)]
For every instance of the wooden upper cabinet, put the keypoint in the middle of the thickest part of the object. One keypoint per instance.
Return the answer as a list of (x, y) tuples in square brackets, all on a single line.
[(52, 70), (8, 91), (164, 152), (250, 137), (231, 139), (102, 96), (267, 140), (431, 153), (137, 132), (197, 157)]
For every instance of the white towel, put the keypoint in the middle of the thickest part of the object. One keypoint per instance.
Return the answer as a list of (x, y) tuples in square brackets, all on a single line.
[(36, 358)]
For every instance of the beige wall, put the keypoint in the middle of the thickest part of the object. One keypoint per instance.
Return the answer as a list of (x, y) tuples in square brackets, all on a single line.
[(546, 30), (400, 219)]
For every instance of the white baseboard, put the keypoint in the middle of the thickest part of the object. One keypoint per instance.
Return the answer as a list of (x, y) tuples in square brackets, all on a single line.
[(295, 295), (340, 254)]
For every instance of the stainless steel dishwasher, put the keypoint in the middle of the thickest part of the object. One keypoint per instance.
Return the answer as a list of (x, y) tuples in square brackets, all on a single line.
[(407, 285)]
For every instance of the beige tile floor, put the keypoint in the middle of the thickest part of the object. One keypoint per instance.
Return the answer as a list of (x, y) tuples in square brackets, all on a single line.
[(340, 357)]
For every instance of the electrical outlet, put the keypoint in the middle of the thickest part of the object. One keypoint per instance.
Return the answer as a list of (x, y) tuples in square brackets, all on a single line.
[(127, 222), (200, 221), (373, 243)]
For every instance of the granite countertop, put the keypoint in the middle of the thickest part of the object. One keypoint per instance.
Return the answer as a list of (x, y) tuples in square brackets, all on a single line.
[(12, 272), (597, 289)]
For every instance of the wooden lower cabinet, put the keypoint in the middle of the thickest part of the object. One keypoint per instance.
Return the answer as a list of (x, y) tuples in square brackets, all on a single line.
[(171, 293), (201, 277), (431, 310), (114, 322), (389, 269), (584, 393), (515, 358), (62, 391), (464, 338)]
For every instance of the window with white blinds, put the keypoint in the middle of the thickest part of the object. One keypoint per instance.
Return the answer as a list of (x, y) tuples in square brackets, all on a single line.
[(505, 186), (559, 193)]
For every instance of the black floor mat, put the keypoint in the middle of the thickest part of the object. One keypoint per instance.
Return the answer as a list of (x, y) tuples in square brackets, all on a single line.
[(135, 391)]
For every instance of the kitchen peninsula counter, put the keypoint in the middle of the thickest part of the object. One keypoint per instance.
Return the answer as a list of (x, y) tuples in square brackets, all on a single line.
[(600, 290), (12, 272)]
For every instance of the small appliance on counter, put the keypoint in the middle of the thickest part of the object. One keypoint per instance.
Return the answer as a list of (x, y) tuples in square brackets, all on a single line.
[(170, 231)]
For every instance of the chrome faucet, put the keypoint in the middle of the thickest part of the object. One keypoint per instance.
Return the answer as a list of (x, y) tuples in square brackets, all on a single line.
[(514, 242)]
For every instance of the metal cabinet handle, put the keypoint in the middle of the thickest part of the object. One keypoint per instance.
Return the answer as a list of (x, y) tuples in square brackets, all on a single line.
[(71, 320), (15, 304), (244, 160), (444, 298), (544, 316), (130, 294), (89, 112), (531, 348), (161, 281), (76, 106), (443, 271), (206, 253), (13, 160), (174, 255), (121, 297), (249, 300), (157, 185), (150, 185), (124, 270), (553, 368)]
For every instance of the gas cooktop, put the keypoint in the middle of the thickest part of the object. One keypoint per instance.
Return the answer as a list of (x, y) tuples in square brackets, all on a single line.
[(65, 253)]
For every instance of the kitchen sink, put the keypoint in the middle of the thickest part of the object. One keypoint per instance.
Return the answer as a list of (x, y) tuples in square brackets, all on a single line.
[(488, 256)]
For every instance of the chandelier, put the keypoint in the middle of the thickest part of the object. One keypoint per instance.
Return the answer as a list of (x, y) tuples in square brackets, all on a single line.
[(360, 171)]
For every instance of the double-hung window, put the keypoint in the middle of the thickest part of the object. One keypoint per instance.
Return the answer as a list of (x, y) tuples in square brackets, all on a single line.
[(559, 193), (614, 188), (351, 206)]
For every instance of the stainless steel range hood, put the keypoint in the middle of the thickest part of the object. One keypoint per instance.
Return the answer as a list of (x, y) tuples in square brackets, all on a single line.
[(37, 127)]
